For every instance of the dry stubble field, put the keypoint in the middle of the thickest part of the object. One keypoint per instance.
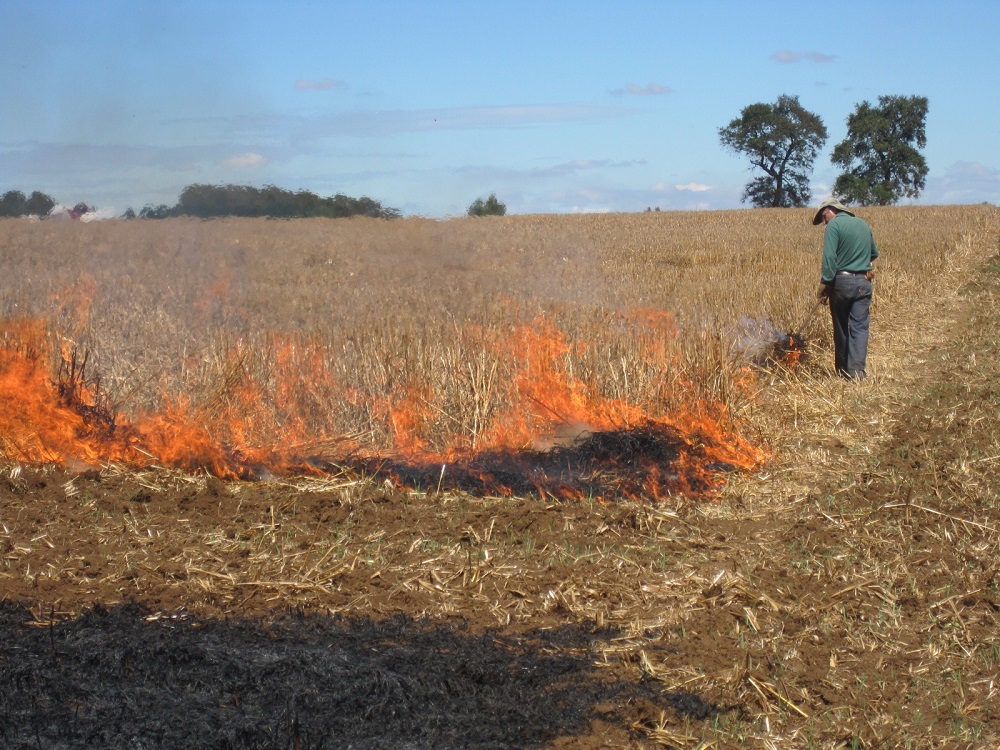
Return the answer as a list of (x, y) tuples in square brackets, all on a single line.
[(806, 563)]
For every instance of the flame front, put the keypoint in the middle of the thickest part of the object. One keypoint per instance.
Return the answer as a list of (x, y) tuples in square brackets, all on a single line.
[(548, 430), (36, 424)]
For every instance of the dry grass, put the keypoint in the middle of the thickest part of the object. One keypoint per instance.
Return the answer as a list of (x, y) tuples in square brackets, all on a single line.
[(322, 329)]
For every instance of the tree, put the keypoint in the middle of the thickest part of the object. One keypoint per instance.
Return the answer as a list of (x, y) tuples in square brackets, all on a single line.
[(489, 207), (150, 211), (208, 201), (39, 204), (879, 155), (781, 139), (12, 203)]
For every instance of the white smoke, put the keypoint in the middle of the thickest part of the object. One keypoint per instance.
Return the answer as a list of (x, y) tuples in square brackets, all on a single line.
[(60, 212), (99, 214), (753, 339)]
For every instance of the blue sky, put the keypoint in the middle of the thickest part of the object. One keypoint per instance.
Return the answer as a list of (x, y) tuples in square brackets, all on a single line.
[(555, 107)]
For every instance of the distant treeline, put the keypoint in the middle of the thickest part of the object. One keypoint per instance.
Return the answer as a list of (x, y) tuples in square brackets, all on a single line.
[(15, 203), (212, 201)]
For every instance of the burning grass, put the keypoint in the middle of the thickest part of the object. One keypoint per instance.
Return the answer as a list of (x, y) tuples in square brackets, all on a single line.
[(246, 348), (517, 370), (556, 434)]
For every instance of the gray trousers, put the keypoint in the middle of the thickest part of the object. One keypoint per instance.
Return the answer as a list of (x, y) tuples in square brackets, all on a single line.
[(850, 303)]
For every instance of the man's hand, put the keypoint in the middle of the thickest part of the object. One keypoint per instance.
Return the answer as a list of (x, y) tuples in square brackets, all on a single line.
[(870, 275), (823, 293)]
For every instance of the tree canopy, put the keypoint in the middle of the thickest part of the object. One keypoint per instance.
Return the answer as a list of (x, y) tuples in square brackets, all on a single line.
[(489, 207), (879, 155), (14, 203), (208, 201), (782, 140)]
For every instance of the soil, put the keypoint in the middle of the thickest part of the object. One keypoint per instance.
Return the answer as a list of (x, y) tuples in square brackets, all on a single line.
[(374, 651)]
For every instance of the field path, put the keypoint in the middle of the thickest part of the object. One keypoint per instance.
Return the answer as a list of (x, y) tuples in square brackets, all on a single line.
[(876, 544)]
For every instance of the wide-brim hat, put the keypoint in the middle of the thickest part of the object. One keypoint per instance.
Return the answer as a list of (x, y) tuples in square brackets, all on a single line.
[(834, 204)]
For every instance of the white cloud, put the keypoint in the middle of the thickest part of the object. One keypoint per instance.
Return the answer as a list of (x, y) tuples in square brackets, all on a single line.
[(792, 57), (823, 194), (694, 187), (601, 199), (244, 161), (653, 89), (964, 182), (375, 123), (325, 85), (578, 165), (509, 116)]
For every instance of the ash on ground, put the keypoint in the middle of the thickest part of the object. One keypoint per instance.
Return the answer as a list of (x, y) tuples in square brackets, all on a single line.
[(127, 678), (641, 462)]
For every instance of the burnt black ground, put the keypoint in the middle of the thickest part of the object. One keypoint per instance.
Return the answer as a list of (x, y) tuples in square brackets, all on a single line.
[(121, 678), (602, 465)]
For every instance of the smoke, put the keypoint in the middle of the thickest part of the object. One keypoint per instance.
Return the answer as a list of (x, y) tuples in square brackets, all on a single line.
[(98, 215), (59, 212), (754, 339)]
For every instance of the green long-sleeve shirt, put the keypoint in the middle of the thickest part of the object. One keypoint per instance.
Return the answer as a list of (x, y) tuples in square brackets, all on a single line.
[(848, 245)]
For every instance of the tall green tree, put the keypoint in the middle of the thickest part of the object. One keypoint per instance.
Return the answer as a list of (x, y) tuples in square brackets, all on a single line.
[(781, 140), (879, 155)]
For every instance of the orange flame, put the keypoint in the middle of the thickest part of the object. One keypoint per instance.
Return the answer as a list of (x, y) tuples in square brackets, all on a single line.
[(35, 424), (250, 428)]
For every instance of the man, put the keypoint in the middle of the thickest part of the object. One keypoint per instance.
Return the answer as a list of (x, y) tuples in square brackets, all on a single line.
[(848, 254)]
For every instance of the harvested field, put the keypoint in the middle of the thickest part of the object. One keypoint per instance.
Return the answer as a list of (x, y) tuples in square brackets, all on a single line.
[(686, 539)]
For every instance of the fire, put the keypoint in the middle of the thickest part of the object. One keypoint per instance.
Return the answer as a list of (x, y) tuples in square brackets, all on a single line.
[(37, 422), (545, 397), (554, 432), (790, 349), (760, 342)]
